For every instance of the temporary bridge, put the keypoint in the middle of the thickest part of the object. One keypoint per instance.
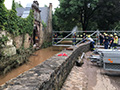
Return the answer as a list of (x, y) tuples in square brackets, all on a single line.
[(66, 40)]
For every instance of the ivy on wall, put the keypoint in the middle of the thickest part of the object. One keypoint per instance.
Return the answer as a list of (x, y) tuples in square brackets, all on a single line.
[(3, 15), (12, 23), (12, 20), (28, 23)]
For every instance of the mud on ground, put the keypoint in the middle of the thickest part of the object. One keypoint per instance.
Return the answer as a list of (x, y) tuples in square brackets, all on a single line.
[(91, 77)]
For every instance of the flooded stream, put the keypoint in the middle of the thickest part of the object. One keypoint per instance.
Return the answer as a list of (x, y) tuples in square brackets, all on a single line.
[(34, 60)]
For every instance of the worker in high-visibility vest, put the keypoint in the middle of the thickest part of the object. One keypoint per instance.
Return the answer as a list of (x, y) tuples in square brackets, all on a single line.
[(115, 42)]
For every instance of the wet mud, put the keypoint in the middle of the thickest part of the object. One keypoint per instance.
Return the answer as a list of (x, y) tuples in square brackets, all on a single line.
[(34, 60)]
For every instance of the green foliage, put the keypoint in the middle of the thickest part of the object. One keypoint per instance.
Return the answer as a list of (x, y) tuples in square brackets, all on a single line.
[(16, 26), (108, 14), (74, 12), (13, 24), (17, 5), (13, 6), (44, 24), (3, 15), (45, 6), (8, 63), (2, 1), (27, 24), (117, 26), (101, 14), (3, 39), (46, 44)]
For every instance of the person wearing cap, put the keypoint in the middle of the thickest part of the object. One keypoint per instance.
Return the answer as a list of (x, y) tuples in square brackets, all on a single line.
[(74, 38), (104, 34), (115, 34), (111, 41), (91, 43), (106, 41), (115, 42), (81, 36), (84, 34)]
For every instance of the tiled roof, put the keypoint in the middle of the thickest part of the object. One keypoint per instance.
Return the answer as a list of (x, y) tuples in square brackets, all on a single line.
[(44, 14), (20, 11), (26, 12)]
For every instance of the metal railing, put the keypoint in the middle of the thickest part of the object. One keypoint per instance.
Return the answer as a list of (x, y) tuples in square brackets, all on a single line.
[(93, 34)]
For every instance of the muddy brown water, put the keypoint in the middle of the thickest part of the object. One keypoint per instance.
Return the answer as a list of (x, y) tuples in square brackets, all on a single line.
[(34, 60)]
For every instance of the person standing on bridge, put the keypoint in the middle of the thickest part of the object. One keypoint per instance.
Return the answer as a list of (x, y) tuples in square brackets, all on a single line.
[(115, 42), (106, 41), (84, 37), (111, 41), (92, 42), (55, 38), (101, 39), (74, 38)]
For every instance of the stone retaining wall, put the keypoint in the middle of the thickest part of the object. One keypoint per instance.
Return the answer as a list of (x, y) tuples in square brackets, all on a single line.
[(49, 75)]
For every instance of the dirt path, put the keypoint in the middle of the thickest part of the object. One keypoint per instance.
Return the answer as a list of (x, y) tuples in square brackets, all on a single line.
[(39, 57), (91, 77)]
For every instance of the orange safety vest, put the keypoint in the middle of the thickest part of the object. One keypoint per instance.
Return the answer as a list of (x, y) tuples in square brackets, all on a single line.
[(36, 37)]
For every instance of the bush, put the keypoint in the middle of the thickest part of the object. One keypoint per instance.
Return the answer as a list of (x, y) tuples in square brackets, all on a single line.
[(46, 44)]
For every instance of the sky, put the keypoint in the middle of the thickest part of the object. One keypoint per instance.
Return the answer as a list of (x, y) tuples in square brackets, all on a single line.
[(55, 3)]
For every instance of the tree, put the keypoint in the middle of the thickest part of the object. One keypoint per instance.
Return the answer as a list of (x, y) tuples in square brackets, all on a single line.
[(108, 14), (88, 14), (76, 12)]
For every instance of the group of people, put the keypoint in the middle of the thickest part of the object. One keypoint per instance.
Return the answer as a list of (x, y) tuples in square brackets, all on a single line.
[(83, 36), (109, 41), (84, 39)]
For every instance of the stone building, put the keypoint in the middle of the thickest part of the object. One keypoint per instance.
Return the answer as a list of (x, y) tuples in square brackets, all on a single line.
[(41, 33)]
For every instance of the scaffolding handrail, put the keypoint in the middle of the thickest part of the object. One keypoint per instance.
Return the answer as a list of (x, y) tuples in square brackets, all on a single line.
[(87, 31), (86, 37), (74, 30), (97, 32), (70, 38), (64, 38)]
